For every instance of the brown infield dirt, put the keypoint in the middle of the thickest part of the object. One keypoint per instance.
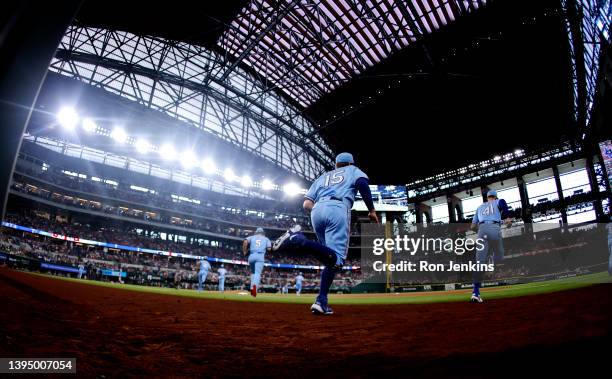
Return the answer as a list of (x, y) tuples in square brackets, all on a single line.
[(117, 333)]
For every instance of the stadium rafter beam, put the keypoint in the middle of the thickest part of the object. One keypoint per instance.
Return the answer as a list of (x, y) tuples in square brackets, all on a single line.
[(416, 25), (184, 81), (588, 28), (163, 77), (281, 13), (264, 57), (345, 36)]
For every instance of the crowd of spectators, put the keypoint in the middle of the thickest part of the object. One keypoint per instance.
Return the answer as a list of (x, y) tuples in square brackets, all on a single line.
[(132, 213), (132, 237), (156, 205), (556, 251), (147, 268)]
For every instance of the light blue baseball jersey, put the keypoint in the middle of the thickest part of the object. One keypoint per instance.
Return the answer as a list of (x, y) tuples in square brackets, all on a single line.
[(338, 183), (258, 244), (204, 265), (299, 279), (222, 272), (488, 212)]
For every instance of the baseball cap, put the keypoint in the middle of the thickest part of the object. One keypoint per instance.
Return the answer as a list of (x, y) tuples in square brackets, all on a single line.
[(259, 230), (345, 158), (492, 193)]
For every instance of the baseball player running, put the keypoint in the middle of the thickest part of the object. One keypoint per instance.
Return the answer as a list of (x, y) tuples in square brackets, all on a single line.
[(203, 268), (298, 284), (487, 220), (81, 270), (222, 272), (256, 247), (330, 199)]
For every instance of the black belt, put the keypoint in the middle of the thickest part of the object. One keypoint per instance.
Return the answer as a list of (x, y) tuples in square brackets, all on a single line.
[(489, 222), (330, 198)]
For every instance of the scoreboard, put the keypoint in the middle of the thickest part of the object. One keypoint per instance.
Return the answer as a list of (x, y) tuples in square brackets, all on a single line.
[(387, 198)]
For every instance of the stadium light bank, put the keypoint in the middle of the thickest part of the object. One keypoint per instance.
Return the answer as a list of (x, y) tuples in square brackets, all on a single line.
[(68, 118)]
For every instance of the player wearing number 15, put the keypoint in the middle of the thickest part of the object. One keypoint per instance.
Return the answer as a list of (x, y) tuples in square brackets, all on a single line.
[(256, 247), (330, 199)]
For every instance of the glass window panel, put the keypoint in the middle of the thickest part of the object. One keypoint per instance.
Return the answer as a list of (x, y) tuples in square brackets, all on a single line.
[(181, 177), (160, 172), (140, 167), (575, 182), (93, 156), (439, 213), (470, 204), (541, 191), (113, 160), (585, 216), (550, 218), (73, 151)]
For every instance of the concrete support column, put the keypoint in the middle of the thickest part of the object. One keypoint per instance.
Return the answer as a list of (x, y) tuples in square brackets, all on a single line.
[(522, 188), (418, 214), (594, 186), (455, 209), (562, 204), (525, 206), (423, 210), (30, 32)]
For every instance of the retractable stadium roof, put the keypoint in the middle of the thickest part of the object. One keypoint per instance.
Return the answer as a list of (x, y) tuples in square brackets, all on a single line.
[(307, 48)]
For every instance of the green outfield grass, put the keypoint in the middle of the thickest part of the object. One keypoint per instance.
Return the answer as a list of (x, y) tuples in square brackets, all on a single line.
[(362, 299)]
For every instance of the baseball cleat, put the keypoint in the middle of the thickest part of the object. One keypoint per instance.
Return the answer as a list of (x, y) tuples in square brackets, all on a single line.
[(318, 309), (254, 291), (475, 298), (282, 240)]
